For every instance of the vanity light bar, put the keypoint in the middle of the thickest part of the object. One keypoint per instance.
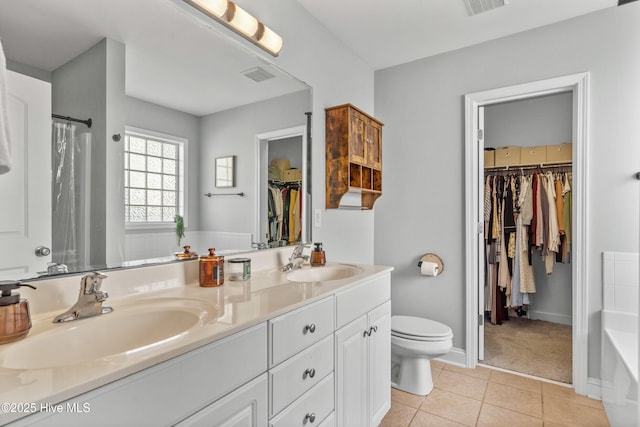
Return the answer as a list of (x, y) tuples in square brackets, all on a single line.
[(242, 22)]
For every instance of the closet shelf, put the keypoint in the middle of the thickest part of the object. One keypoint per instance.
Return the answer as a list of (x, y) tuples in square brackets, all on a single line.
[(545, 165)]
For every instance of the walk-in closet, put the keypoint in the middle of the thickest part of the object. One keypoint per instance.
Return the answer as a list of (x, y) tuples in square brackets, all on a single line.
[(284, 192), (528, 216)]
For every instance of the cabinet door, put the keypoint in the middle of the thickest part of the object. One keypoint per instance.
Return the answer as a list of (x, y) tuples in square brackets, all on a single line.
[(357, 137), (245, 407), (351, 374), (379, 363), (373, 144)]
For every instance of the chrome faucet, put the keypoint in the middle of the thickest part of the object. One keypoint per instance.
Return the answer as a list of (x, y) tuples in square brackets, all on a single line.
[(90, 300), (296, 259)]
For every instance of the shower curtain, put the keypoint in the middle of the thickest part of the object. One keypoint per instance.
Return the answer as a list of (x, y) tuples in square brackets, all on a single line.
[(70, 195)]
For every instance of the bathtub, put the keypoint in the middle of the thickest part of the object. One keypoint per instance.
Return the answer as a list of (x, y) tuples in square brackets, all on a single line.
[(619, 369)]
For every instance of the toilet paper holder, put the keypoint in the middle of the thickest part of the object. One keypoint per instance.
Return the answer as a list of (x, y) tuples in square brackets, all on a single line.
[(432, 258)]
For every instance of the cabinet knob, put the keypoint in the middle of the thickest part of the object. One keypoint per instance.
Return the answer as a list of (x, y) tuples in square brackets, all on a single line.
[(310, 417), (310, 328), (309, 373)]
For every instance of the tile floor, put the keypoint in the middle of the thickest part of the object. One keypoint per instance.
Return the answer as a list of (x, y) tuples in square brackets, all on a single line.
[(488, 397)]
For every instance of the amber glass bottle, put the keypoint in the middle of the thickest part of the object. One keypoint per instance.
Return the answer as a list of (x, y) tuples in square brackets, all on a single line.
[(211, 269)]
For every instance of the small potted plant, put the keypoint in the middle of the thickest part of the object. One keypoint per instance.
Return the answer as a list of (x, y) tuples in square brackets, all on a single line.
[(179, 227)]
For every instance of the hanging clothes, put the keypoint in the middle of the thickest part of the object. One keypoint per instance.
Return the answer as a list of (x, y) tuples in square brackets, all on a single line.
[(284, 212), (525, 215)]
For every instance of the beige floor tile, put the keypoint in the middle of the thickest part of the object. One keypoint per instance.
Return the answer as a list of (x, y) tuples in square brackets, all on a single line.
[(452, 406), (425, 419), (479, 372), (558, 391), (436, 364), (515, 399), (408, 399), (462, 384), (568, 413), (398, 416), (493, 416), (517, 381)]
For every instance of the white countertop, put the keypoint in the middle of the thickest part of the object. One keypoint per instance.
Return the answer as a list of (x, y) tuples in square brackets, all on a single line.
[(236, 305)]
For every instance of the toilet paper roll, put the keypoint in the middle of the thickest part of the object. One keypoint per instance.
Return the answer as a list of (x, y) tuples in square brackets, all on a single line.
[(429, 268)]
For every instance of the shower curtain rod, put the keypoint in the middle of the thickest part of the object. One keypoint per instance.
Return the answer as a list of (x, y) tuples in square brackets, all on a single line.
[(87, 122)]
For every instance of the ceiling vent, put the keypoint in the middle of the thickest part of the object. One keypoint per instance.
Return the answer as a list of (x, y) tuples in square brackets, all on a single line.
[(475, 7), (258, 74)]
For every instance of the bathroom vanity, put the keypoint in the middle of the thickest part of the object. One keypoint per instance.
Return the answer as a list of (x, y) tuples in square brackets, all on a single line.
[(277, 350)]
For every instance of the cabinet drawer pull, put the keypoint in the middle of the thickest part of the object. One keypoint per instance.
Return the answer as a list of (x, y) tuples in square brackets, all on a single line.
[(374, 328), (310, 328), (310, 417), (366, 333), (309, 373)]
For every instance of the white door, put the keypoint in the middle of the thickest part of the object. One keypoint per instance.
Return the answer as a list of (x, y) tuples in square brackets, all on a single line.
[(25, 191), (481, 231)]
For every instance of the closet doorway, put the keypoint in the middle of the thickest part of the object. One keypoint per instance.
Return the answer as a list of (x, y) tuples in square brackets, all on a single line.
[(292, 145), (576, 87), (527, 281)]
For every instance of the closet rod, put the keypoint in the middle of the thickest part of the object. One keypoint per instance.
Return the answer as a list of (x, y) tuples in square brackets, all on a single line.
[(515, 168), (87, 122)]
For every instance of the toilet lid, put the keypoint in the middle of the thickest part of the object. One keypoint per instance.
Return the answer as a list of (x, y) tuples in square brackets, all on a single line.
[(419, 328)]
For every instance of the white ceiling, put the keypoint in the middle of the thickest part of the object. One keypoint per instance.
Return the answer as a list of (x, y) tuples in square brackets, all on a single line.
[(391, 32), (172, 58), (167, 49)]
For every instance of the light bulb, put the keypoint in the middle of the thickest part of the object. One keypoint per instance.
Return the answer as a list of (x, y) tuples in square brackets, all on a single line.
[(243, 21), (270, 40), (215, 7)]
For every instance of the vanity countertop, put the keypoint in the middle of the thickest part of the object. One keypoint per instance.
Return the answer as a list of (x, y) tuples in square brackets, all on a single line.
[(230, 308)]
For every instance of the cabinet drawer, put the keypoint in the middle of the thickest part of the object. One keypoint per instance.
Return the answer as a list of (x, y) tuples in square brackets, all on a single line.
[(314, 405), (361, 299), (298, 329), (294, 377)]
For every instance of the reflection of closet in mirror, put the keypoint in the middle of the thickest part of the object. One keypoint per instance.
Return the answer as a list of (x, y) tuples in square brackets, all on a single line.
[(282, 192)]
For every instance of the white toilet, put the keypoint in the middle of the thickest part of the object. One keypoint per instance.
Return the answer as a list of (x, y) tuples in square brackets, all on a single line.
[(414, 342)]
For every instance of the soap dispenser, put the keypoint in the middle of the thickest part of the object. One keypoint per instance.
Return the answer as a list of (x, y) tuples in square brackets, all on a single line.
[(318, 258), (15, 320)]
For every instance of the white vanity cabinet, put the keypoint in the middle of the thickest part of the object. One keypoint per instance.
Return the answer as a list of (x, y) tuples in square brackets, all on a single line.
[(301, 381), (172, 391), (324, 363), (363, 354)]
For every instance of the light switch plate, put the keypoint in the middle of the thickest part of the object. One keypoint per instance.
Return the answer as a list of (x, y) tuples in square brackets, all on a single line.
[(317, 217)]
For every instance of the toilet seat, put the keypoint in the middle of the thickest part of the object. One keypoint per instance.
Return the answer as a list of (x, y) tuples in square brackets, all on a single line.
[(419, 329)]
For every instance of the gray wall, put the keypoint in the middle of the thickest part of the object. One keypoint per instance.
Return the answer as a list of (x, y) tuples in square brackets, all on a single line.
[(232, 133), (421, 104), (544, 120)]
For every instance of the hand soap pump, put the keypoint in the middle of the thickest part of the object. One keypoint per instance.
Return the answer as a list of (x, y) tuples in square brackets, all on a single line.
[(15, 320), (318, 258)]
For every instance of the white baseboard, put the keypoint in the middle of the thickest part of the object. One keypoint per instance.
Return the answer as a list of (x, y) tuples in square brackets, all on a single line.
[(562, 319), (456, 357), (594, 388)]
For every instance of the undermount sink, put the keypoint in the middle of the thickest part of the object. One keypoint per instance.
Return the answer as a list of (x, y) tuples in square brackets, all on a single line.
[(323, 274), (130, 329)]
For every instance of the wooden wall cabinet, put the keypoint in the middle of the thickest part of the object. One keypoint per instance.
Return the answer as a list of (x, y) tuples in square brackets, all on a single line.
[(354, 156)]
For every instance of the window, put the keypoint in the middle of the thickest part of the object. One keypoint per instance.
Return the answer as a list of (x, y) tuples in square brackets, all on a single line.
[(153, 178)]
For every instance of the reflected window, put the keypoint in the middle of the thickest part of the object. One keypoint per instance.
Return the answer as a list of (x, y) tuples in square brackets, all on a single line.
[(153, 177)]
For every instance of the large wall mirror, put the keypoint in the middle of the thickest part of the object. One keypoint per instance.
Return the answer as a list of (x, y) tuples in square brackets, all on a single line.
[(168, 92)]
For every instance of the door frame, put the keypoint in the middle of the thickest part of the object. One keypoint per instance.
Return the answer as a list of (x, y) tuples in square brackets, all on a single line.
[(262, 170), (578, 85)]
